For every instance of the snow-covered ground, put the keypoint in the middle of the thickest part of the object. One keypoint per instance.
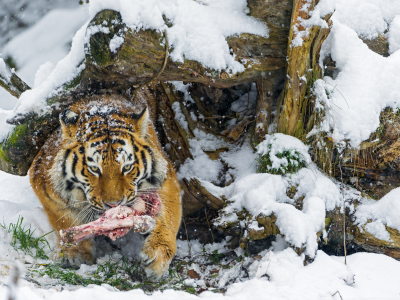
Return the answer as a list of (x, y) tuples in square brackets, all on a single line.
[(367, 81)]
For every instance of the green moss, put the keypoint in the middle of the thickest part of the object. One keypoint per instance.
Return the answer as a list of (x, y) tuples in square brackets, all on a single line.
[(3, 155), (327, 222), (100, 51), (14, 137), (74, 82)]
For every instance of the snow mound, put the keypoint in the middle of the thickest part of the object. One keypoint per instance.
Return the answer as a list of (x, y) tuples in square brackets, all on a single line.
[(394, 35), (283, 150), (382, 212), (265, 194), (366, 82)]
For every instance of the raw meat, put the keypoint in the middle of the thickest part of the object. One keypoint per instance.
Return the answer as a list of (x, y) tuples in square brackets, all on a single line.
[(118, 221)]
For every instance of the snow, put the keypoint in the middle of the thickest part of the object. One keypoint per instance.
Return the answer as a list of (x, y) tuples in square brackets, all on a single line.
[(394, 35), (179, 116), (183, 88), (4, 70), (264, 194), (366, 276), (378, 230), (367, 82), (43, 72), (48, 40), (65, 70), (202, 166), (382, 212), (115, 43), (17, 16)]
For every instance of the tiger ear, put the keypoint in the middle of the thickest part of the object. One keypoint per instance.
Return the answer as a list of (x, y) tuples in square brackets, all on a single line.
[(68, 119), (143, 122)]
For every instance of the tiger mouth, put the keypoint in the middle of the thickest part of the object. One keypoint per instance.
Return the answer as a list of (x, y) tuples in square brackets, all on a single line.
[(144, 203)]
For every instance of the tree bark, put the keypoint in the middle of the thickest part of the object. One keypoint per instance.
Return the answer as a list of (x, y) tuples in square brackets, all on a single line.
[(302, 70), (14, 85)]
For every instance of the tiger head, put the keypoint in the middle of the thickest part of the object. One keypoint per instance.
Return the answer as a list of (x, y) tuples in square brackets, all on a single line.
[(109, 157)]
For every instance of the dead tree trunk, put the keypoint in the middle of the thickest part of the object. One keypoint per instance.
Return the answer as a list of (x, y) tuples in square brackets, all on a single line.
[(302, 69)]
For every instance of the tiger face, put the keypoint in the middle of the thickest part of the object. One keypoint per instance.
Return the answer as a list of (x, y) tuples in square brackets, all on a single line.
[(108, 158)]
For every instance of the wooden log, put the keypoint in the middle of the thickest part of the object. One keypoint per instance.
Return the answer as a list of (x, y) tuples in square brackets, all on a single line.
[(19, 148), (357, 239), (201, 194), (24, 141), (142, 54), (302, 70), (14, 85)]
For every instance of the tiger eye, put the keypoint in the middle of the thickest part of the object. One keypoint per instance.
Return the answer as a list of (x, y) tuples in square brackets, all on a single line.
[(95, 169), (127, 167)]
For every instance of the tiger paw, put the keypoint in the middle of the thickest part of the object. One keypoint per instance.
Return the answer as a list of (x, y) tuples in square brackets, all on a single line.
[(75, 256), (156, 256)]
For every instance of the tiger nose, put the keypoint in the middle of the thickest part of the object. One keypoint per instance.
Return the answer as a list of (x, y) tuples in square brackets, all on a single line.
[(113, 204)]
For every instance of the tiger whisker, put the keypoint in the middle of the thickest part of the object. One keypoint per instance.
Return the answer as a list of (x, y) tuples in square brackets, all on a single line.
[(81, 213), (65, 213)]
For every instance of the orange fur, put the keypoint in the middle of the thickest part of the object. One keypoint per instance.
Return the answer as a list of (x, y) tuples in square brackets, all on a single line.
[(106, 152)]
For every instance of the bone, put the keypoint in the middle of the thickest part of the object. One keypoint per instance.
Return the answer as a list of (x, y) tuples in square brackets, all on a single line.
[(118, 221)]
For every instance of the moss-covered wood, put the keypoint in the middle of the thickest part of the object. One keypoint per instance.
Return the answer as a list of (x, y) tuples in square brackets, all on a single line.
[(21, 145), (30, 131)]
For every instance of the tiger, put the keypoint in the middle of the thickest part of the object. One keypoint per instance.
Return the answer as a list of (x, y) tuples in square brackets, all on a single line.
[(104, 154)]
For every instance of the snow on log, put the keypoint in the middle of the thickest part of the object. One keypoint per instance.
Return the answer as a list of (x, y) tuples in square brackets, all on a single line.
[(10, 81), (139, 56)]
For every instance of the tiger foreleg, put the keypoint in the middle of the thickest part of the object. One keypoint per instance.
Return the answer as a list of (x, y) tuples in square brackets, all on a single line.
[(158, 250), (160, 246)]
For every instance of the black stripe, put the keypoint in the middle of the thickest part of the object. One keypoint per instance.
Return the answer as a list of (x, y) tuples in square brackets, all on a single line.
[(74, 163), (83, 165), (144, 162), (138, 173), (103, 132), (64, 171), (115, 141), (153, 165), (98, 143)]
